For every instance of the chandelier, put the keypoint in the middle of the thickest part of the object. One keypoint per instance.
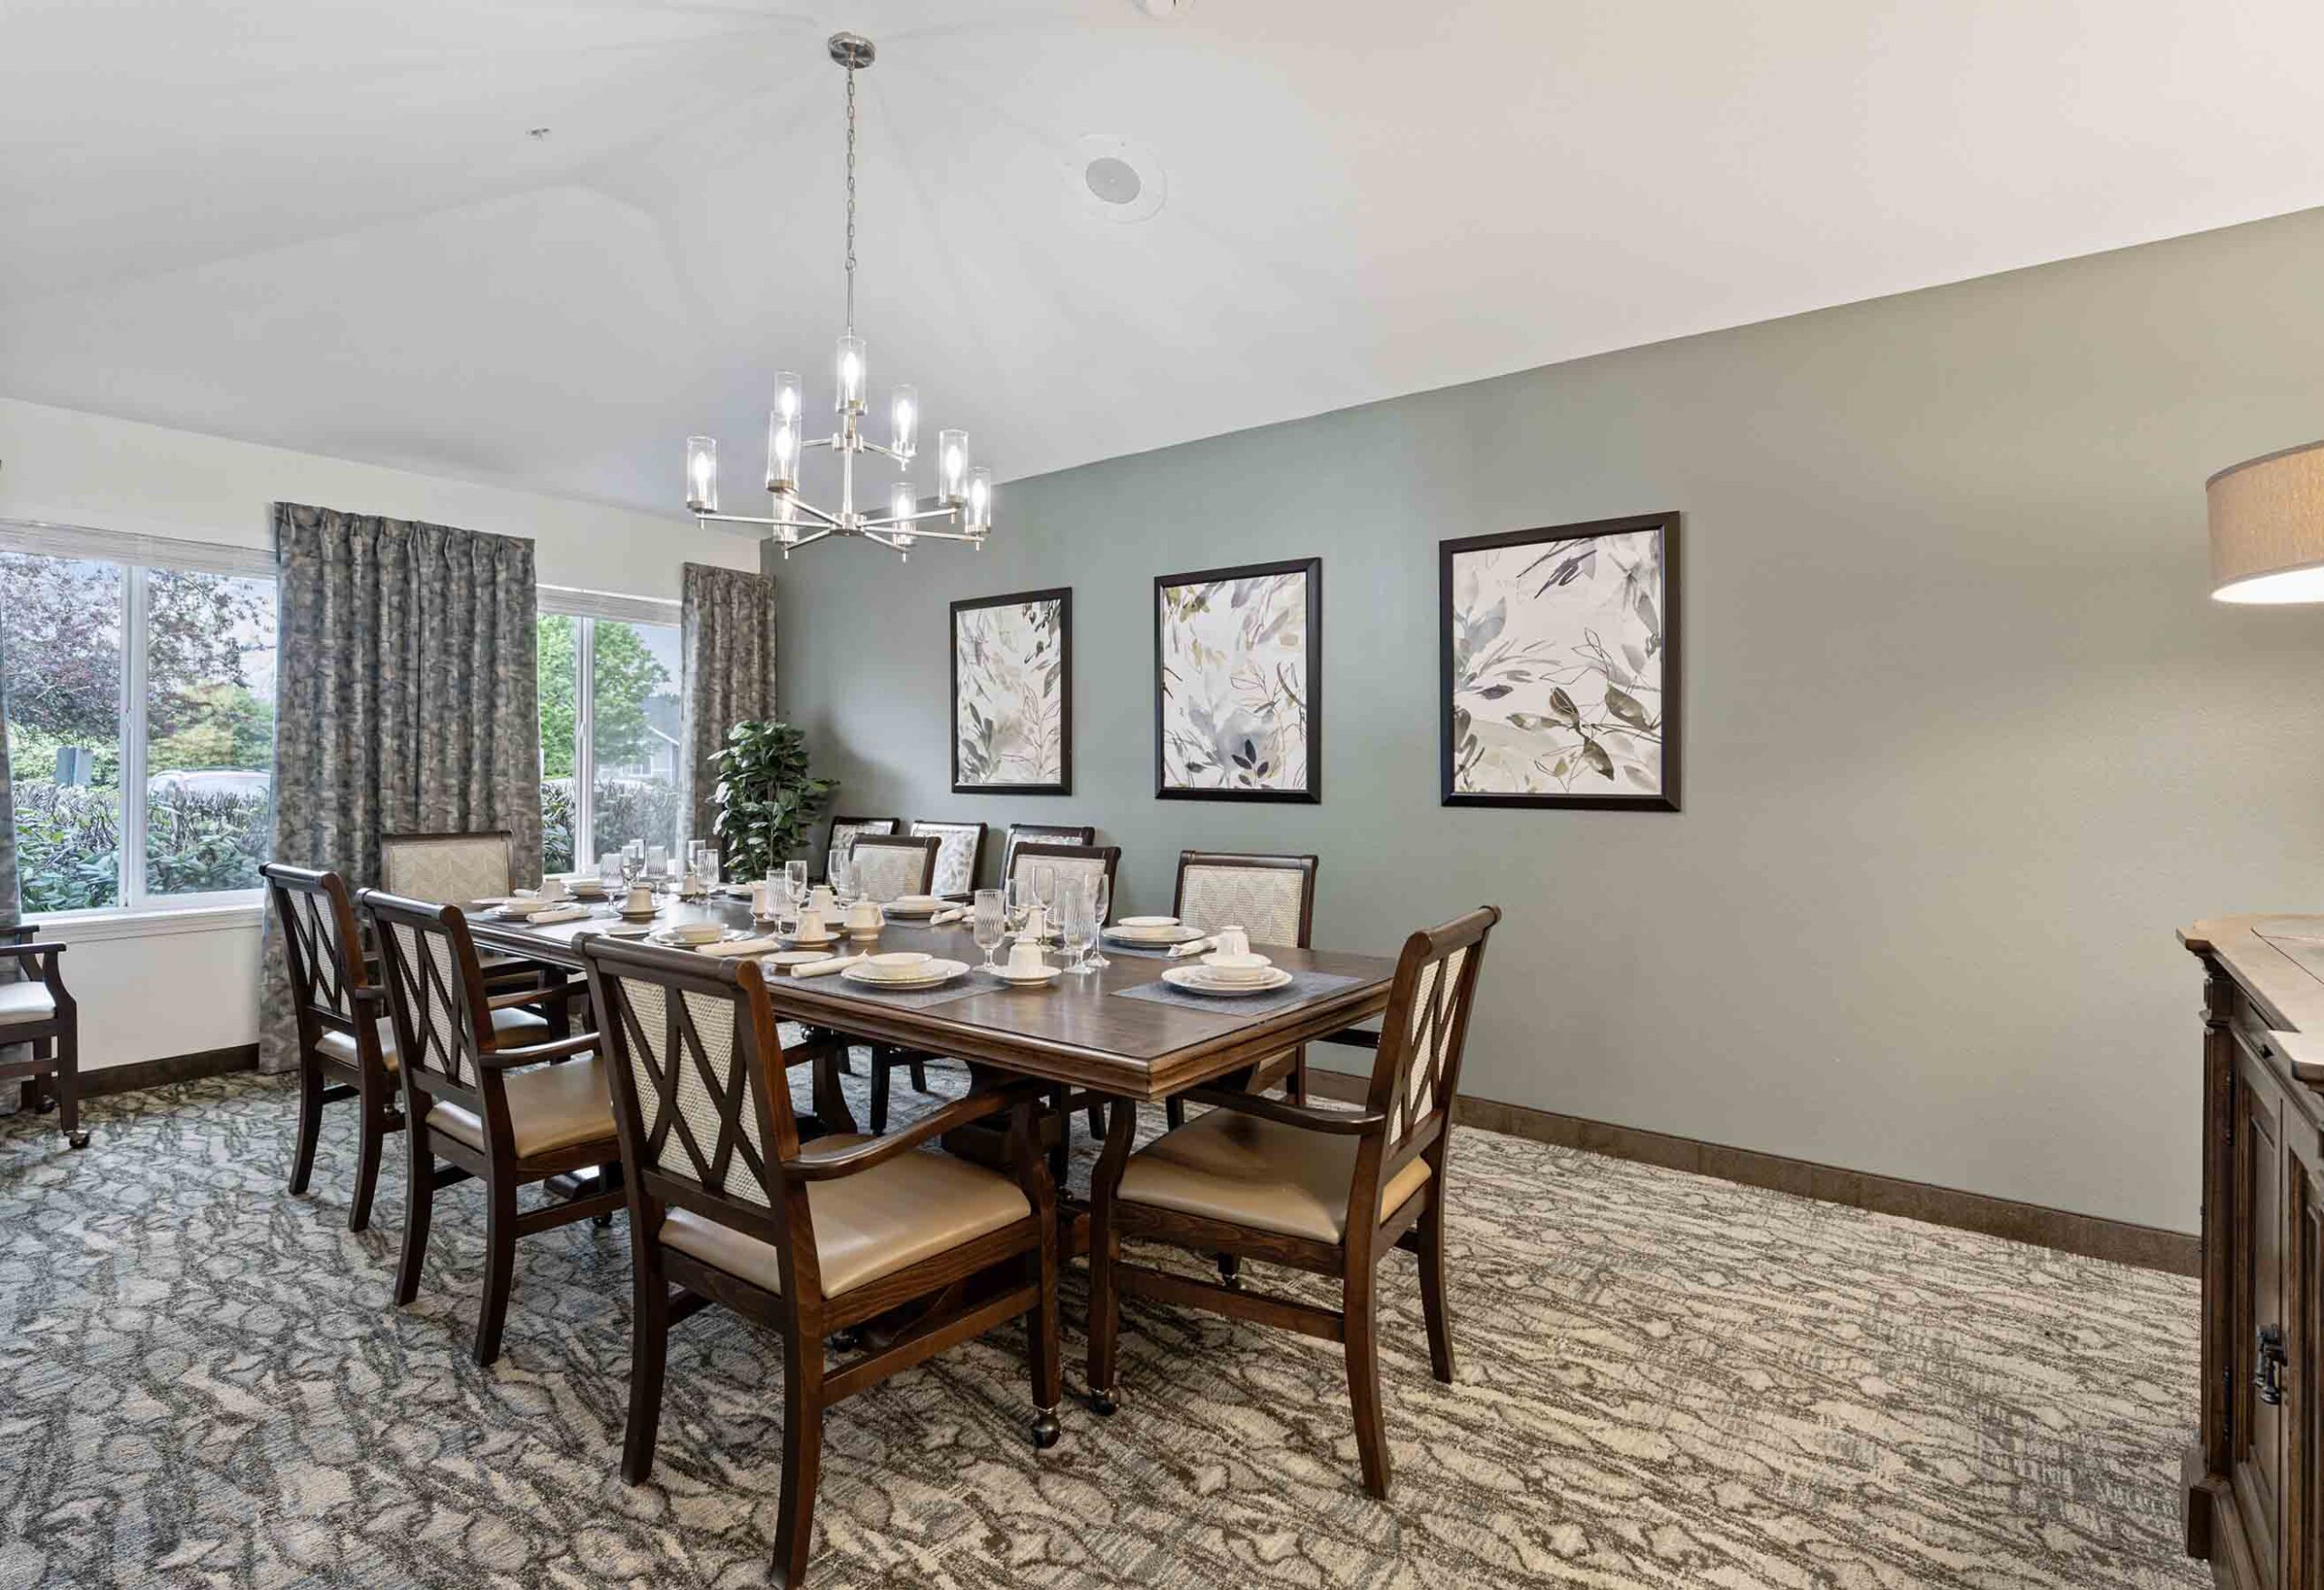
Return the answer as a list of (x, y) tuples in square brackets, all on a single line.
[(964, 493)]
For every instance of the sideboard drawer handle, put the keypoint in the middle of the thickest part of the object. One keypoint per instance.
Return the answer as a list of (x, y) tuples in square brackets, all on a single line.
[(2271, 1359)]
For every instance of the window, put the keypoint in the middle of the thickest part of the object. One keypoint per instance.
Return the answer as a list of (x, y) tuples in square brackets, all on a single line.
[(609, 672), (148, 668)]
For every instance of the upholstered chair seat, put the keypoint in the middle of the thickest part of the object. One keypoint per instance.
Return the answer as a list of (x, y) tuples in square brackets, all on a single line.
[(550, 1106), (1258, 1173), (515, 1026), (914, 1207), (26, 1002)]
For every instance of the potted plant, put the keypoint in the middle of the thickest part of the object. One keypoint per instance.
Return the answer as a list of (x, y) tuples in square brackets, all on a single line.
[(766, 800)]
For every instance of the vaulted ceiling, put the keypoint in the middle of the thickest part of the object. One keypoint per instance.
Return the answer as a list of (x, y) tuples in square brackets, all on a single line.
[(328, 226)]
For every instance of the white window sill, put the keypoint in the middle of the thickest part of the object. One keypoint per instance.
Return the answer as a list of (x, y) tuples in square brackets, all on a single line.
[(85, 926)]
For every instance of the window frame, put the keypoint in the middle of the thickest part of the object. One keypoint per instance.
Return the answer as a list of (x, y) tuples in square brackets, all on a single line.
[(134, 555), (586, 608)]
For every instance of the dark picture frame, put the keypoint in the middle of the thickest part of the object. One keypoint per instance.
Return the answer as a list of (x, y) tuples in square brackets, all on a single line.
[(1622, 716), (1311, 572), (1062, 596)]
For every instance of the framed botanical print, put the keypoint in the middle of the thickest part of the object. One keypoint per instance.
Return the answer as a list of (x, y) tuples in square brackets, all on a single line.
[(1238, 674), (1012, 694), (1560, 658)]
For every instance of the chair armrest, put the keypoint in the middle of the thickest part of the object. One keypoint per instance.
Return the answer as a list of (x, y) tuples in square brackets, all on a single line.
[(880, 1150), (534, 1053), (19, 930), (368, 995), (1353, 1037), (525, 996), (35, 947), (1338, 1122)]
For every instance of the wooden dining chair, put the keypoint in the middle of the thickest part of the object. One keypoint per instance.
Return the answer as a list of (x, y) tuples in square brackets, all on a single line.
[(1272, 898), (1041, 833), (1324, 1191), (889, 866), (451, 869), (959, 856), (347, 1043), (846, 831), (477, 1092), (726, 1205), (39, 1012)]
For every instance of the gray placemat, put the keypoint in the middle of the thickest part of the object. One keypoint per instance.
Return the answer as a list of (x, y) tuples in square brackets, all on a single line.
[(976, 980), (1303, 985)]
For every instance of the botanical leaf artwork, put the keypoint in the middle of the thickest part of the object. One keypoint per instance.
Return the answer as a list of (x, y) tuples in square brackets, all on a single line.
[(1235, 684), (1558, 667), (1009, 710)]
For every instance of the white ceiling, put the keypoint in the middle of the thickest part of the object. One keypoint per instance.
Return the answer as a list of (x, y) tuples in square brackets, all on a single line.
[(321, 224)]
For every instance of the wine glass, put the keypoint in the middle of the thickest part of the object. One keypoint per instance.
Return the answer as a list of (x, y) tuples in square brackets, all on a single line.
[(842, 873), (1045, 891), (989, 921), (1077, 931), (633, 863), (1020, 902), (794, 872), (610, 873), (1100, 890)]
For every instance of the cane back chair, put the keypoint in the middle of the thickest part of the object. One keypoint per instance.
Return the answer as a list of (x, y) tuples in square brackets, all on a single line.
[(347, 1041)]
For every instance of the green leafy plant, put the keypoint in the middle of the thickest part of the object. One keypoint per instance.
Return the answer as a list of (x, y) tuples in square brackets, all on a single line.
[(766, 800)]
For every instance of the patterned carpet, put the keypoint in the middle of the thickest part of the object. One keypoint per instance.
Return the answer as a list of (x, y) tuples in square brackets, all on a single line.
[(1665, 1381)]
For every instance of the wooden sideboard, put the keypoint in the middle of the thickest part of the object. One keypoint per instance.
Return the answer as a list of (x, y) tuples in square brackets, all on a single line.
[(2255, 1474)]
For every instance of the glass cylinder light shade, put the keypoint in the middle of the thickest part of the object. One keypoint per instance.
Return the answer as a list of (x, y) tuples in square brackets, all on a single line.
[(702, 474), (903, 409), (979, 513), (786, 520), (848, 367), (902, 505), (952, 465), (781, 451)]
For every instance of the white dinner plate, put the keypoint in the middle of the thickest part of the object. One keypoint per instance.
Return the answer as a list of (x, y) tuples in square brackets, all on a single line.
[(628, 930), (670, 941), (1123, 933), (816, 941), (1147, 922), (939, 972), (795, 957), (1027, 979), (1192, 979), (626, 914), (915, 905)]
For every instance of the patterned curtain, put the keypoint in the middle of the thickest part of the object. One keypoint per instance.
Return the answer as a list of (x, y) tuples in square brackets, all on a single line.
[(11, 1093), (407, 701), (729, 668)]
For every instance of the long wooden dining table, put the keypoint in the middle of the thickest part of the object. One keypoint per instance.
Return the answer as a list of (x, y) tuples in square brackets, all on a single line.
[(1077, 1031)]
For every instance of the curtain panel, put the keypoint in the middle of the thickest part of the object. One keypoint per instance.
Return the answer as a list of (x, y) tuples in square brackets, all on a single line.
[(728, 663), (407, 701)]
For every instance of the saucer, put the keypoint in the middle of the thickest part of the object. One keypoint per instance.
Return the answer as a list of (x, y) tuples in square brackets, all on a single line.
[(1192, 979), (628, 930), (1027, 979), (626, 914), (826, 937)]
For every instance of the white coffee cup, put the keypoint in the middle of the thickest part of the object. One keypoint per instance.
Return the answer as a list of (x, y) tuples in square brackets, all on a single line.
[(1037, 923), (863, 917), (552, 890), (811, 923), (1025, 956), (639, 899), (821, 898), (1231, 941)]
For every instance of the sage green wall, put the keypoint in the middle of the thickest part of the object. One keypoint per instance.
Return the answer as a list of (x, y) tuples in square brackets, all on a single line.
[(1964, 741)]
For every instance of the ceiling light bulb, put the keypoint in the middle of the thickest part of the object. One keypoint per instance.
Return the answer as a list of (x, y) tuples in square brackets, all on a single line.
[(702, 474)]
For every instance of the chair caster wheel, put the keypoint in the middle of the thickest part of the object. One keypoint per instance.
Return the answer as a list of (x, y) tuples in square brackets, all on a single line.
[(844, 1341), (45, 1107), (79, 1140), (1046, 1430), (601, 1221), (1102, 1403)]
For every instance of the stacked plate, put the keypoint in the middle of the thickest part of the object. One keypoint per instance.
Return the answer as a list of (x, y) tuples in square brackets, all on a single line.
[(904, 969), (915, 905), (1154, 932), (1226, 974)]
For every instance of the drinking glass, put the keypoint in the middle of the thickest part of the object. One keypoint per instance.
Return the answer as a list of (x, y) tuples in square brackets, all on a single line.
[(609, 871), (1078, 930), (1020, 902), (1100, 890), (786, 902), (633, 862), (794, 872), (843, 871), (1045, 890), (989, 921)]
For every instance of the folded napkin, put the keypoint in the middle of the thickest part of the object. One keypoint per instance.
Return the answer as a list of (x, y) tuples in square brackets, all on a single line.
[(1199, 946), (744, 947), (558, 914), (950, 914), (823, 968)]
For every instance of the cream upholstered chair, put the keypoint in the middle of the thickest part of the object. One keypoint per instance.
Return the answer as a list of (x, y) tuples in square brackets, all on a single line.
[(1069, 862), (40, 1012), (450, 869), (347, 1042), (846, 831), (1325, 1190), (478, 1093), (1041, 833), (727, 1204), (960, 854), (887, 868), (1270, 897)]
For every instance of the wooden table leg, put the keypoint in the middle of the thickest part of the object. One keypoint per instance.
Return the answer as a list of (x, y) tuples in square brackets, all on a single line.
[(1104, 1249)]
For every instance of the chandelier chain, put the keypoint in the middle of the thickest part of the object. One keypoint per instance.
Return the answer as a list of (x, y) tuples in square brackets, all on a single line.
[(851, 200)]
